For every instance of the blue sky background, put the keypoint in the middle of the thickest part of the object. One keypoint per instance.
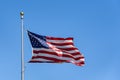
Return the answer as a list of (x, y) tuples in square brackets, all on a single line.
[(94, 24)]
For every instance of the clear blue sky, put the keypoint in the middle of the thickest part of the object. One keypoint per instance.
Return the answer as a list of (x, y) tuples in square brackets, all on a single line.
[(94, 24)]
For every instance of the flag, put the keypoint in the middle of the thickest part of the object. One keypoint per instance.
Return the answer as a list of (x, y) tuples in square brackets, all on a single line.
[(47, 49)]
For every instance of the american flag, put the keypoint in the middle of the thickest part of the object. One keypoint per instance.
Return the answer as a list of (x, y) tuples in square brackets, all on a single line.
[(48, 49)]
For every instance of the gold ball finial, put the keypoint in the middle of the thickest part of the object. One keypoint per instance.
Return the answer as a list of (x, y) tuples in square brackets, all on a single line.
[(22, 14)]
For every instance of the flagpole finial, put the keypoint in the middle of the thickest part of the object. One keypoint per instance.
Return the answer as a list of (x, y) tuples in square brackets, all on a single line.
[(22, 14)]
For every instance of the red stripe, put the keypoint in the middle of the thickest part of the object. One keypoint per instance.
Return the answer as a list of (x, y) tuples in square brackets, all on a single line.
[(48, 58), (55, 38), (45, 52), (36, 61), (80, 63), (68, 49), (62, 44), (76, 53)]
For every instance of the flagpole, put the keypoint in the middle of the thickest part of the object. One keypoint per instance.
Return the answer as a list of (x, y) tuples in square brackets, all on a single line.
[(22, 46)]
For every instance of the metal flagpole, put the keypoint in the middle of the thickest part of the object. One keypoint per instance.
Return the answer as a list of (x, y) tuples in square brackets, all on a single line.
[(22, 46)]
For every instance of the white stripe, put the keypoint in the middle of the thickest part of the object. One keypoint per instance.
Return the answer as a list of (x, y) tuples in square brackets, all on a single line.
[(39, 59), (50, 50), (77, 56), (66, 46), (72, 51), (59, 41)]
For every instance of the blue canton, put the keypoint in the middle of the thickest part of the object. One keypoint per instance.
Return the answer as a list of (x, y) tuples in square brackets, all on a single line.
[(37, 41)]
